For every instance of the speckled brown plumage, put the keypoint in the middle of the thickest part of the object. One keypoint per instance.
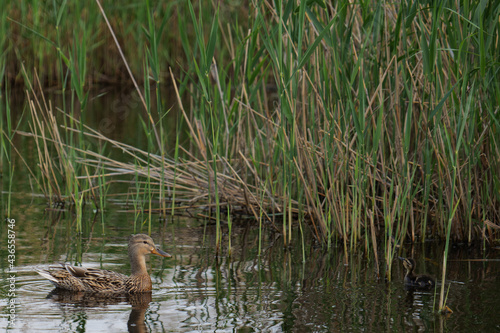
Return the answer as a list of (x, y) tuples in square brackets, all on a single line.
[(99, 280)]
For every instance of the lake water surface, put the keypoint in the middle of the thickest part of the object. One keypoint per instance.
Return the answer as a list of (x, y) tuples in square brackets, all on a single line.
[(198, 291), (258, 286)]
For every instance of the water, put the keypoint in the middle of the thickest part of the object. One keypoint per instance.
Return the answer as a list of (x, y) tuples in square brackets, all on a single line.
[(301, 288), (198, 291)]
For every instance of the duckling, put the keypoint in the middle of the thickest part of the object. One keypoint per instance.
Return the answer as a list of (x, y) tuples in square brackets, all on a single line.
[(416, 281)]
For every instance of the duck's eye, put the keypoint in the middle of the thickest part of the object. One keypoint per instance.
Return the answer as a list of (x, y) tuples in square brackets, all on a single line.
[(145, 242)]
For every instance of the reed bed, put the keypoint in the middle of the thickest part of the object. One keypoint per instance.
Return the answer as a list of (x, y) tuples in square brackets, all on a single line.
[(358, 120)]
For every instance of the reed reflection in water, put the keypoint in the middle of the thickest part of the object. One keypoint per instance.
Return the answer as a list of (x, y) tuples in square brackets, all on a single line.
[(276, 291)]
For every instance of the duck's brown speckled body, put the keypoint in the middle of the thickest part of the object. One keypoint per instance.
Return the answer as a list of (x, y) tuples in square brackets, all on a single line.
[(99, 280)]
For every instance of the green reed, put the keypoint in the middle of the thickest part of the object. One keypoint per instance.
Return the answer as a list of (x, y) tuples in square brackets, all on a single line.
[(6, 150), (211, 112), (360, 119), (6, 133), (153, 36)]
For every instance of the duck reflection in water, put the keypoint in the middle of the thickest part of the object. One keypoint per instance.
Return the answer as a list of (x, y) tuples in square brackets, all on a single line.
[(139, 301)]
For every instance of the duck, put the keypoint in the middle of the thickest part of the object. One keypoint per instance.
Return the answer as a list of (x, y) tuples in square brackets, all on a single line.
[(416, 281), (81, 279)]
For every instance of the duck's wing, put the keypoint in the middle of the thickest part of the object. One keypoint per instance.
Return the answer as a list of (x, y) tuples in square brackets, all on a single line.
[(61, 278), (84, 279), (100, 280)]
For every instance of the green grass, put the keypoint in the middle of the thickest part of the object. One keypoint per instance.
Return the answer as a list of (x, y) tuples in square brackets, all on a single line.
[(357, 120)]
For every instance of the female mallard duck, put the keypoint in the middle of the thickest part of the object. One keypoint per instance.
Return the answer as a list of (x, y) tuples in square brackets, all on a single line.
[(100, 280), (415, 281)]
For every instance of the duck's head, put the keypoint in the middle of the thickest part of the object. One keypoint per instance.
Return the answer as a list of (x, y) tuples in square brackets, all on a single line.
[(408, 263), (141, 245)]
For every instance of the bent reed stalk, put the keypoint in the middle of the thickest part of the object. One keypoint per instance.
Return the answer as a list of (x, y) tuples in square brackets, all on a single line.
[(363, 119)]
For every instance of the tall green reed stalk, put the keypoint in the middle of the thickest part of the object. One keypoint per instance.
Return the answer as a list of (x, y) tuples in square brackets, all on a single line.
[(6, 147), (5, 122), (453, 143), (153, 37), (211, 112)]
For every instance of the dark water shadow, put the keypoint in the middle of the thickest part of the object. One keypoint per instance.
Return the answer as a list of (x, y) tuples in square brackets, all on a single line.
[(140, 302)]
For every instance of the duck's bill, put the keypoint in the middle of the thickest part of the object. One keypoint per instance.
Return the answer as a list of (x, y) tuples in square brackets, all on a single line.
[(161, 253)]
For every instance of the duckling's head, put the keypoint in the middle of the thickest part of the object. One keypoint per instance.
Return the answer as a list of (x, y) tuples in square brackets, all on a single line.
[(408, 263), (141, 245)]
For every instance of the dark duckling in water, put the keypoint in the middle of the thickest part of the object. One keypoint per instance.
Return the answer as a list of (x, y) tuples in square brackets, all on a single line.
[(416, 281)]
